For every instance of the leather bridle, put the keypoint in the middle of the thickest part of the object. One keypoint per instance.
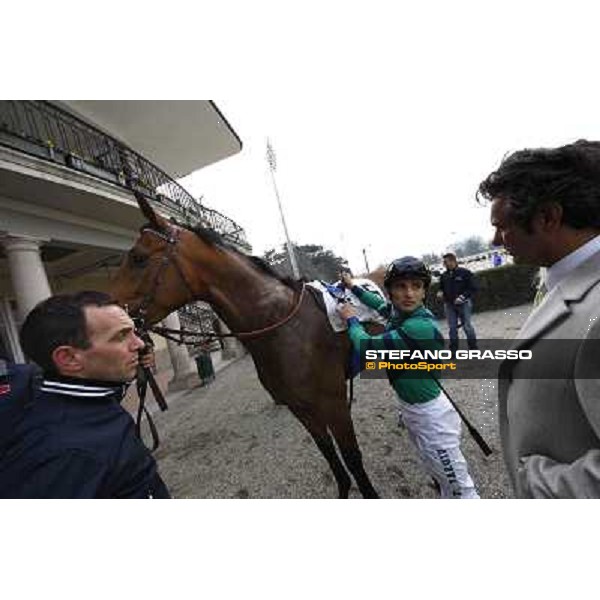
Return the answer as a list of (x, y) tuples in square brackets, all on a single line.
[(171, 238), (169, 256)]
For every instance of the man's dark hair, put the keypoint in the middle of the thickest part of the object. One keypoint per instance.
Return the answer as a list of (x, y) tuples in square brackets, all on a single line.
[(58, 321), (449, 255), (568, 175)]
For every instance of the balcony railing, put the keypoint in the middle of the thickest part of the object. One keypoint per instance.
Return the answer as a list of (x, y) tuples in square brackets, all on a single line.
[(40, 128)]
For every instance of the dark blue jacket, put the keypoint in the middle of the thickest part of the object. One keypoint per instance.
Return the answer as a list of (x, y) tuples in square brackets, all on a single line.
[(459, 281), (18, 384), (76, 441)]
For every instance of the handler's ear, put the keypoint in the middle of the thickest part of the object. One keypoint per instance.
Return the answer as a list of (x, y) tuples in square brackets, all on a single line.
[(67, 360)]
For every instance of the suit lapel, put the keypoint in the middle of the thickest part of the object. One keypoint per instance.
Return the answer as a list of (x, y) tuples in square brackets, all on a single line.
[(542, 318)]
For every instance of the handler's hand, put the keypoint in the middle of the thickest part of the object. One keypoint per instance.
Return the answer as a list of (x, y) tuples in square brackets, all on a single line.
[(440, 295), (147, 359), (346, 279), (346, 310)]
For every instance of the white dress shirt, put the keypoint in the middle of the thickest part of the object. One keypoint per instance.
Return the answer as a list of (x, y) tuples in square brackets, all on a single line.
[(559, 270)]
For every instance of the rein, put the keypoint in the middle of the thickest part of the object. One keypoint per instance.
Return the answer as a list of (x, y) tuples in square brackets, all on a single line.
[(171, 333), (145, 379)]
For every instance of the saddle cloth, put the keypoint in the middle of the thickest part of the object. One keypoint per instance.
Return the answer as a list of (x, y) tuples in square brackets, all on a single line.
[(336, 293)]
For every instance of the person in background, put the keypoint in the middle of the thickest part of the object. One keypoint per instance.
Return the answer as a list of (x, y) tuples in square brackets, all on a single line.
[(457, 287)]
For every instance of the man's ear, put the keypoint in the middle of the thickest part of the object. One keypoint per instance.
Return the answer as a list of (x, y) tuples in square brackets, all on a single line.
[(67, 360), (550, 216)]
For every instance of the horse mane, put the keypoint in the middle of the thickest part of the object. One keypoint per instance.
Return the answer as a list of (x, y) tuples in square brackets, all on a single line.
[(264, 266), (211, 237)]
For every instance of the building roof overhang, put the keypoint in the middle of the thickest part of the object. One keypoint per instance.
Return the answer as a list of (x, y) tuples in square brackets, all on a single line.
[(178, 136)]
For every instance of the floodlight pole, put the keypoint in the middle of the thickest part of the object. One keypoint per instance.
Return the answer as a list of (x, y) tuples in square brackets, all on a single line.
[(272, 166), (366, 261)]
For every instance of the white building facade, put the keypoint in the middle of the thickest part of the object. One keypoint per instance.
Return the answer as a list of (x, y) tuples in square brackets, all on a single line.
[(66, 214)]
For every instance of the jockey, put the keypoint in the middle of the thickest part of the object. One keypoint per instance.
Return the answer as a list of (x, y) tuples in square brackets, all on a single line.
[(433, 424)]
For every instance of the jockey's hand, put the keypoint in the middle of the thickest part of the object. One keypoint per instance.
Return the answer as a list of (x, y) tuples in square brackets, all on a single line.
[(346, 310), (346, 279)]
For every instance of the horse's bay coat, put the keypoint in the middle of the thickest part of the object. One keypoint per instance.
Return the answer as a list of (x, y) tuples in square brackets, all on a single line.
[(299, 359), (550, 428)]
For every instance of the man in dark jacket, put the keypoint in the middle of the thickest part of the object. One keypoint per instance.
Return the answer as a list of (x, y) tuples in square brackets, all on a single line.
[(457, 287), (74, 440)]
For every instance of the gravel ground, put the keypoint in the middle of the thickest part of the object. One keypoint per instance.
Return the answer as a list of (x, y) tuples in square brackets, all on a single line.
[(229, 440)]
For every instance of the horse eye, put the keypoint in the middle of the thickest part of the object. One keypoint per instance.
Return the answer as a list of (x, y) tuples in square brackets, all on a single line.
[(137, 260)]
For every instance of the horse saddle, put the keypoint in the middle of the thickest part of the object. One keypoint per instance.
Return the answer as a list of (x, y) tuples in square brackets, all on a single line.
[(328, 297), (332, 295)]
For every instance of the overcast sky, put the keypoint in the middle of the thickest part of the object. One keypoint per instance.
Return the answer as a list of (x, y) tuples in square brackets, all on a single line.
[(384, 150), (385, 116), (381, 174), (395, 174)]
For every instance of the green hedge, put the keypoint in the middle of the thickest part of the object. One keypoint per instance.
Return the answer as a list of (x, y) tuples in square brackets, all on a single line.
[(500, 287)]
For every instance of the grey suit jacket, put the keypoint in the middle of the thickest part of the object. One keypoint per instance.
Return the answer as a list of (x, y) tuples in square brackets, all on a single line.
[(550, 428)]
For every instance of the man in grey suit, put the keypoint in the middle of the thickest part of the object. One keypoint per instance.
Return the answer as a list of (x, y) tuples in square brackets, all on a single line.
[(545, 208)]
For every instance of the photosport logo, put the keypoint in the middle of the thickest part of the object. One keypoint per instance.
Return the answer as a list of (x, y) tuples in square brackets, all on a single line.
[(492, 359)]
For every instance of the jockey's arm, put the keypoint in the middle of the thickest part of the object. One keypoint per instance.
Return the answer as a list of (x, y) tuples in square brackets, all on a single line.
[(371, 300), (420, 330)]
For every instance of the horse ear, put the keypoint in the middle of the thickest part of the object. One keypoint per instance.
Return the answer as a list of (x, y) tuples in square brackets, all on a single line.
[(153, 218)]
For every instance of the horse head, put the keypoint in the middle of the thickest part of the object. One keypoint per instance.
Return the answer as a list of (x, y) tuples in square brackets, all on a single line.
[(159, 274)]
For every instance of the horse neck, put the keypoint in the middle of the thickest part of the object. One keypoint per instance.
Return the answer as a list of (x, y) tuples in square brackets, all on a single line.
[(244, 297)]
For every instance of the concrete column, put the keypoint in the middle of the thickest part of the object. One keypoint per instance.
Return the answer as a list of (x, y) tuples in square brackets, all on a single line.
[(185, 374), (11, 331), (29, 279)]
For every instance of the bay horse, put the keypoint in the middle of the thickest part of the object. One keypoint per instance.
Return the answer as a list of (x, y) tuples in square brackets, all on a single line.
[(299, 358)]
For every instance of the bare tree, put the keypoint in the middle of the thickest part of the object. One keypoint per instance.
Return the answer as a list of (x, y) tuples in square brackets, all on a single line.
[(469, 246), (431, 258), (315, 262)]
